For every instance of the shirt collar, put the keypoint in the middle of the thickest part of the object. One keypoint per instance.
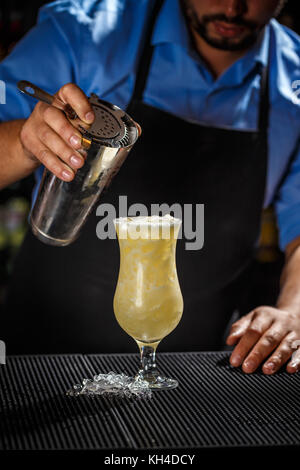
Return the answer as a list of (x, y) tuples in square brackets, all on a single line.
[(170, 25), (256, 57), (260, 51)]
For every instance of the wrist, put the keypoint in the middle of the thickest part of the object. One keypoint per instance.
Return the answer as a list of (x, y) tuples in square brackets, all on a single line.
[(287, 306), (27, 161)]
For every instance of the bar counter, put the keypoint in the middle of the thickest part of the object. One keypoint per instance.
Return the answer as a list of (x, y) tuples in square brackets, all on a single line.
[(214, 407)]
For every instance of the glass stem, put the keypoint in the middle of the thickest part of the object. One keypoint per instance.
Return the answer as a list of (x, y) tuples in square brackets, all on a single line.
[(148, 370)]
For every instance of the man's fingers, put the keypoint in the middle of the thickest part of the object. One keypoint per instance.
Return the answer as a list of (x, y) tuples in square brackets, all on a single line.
[(259, 324), (59, 123), (58, 147), (280, 356), (271, 333), (243, 347), (75, 97), (48, 136), (50, 161), (33, 145), (263, 348), (294, 364), (238, 329)]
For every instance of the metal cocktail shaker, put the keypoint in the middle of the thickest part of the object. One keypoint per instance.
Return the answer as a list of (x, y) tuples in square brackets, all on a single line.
[(61, 208)]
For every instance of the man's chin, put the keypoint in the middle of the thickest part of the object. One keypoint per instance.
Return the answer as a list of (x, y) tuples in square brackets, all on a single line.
[(228, 44)]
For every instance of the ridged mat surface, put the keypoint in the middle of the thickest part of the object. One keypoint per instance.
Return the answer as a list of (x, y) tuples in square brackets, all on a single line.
[(214, 406)]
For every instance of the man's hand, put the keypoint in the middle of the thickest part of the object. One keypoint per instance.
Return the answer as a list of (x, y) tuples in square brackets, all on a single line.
[(49, 138), (266, 335)]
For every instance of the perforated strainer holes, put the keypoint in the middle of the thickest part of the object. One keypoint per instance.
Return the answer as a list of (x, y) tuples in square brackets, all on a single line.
[(111, 126), (105, 125)]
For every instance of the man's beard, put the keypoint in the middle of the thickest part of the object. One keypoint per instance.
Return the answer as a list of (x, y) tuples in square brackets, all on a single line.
[(225, 44)]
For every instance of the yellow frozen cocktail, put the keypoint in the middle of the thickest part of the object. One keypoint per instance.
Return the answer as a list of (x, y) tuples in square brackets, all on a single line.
[(148, 302)]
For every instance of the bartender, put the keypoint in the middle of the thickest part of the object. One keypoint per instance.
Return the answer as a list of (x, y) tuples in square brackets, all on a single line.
[(210, 83)]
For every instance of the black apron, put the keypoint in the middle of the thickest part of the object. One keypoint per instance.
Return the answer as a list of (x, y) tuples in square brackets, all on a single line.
[(61, 299)]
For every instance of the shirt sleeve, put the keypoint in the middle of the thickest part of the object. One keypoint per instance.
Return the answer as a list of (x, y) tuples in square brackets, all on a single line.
[(287, 202), (43, 57)]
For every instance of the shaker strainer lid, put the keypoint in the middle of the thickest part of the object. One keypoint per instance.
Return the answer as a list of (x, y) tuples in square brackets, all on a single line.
[(111, 127)]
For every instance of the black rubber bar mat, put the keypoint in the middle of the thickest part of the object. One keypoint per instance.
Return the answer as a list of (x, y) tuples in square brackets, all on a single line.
[(215, 405)]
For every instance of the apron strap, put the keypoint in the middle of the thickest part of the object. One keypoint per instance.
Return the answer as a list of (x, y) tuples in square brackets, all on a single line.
[(146, 56), (145, 63), (264, 106)]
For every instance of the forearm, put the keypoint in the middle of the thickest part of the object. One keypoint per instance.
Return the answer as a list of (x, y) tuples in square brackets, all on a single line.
[(289, 298), (15, 162)]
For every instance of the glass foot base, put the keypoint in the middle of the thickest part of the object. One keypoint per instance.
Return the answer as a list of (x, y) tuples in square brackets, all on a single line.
[(159, 382)]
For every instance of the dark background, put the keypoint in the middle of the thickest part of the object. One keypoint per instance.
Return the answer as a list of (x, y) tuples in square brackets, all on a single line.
[(16, 18)]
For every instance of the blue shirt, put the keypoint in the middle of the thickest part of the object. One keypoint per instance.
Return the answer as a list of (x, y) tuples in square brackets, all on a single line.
[(97, 43)]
